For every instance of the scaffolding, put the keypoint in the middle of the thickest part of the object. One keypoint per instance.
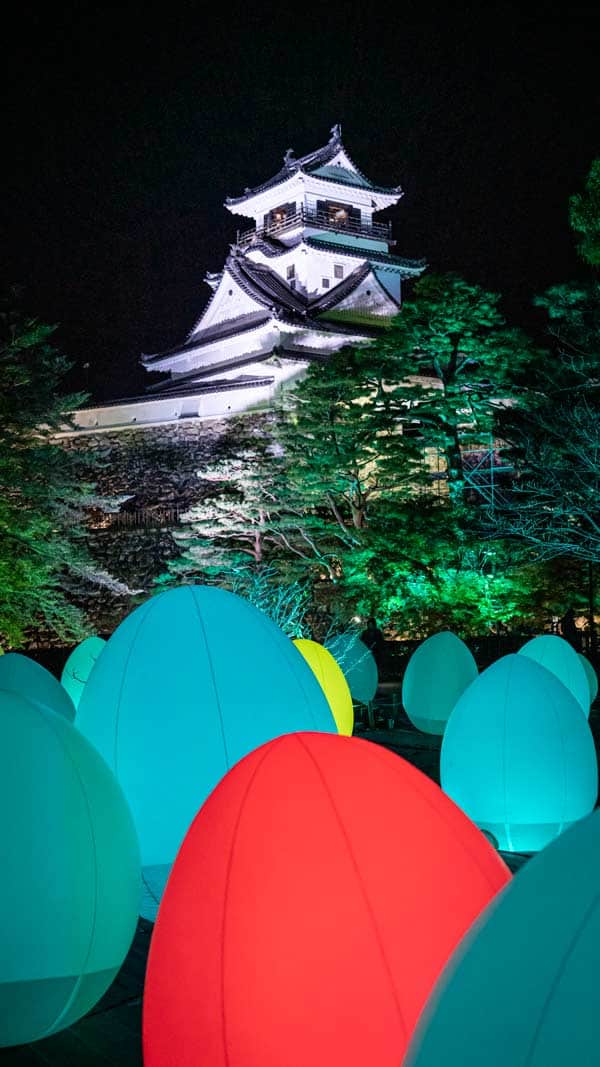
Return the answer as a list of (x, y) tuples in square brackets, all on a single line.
[(487, 472)]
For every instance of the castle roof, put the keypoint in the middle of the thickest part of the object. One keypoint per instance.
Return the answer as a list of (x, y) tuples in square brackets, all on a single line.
[(279, 301), (319, 164)]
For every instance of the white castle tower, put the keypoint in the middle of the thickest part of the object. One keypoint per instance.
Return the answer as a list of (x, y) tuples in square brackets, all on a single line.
[(312, 274)]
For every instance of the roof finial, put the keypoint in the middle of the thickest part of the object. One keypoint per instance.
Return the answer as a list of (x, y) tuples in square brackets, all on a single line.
[(288, 158), (336, 132)]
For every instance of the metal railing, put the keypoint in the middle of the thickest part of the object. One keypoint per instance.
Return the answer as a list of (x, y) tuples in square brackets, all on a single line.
[(321, 221)]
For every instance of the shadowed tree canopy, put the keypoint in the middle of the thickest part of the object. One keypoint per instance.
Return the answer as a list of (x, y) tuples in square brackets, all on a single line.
[(43, 490)]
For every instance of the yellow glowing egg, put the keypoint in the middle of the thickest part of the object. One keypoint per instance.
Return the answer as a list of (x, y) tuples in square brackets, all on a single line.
[(330, 677)]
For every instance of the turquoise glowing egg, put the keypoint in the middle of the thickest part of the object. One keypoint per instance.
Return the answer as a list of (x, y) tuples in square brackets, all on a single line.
[(191, 681), (522, 987), (69, 874), (592, 677), (78, 667), (22, 675), (439, 670), (357, 663), (518, 756), (557, 655)]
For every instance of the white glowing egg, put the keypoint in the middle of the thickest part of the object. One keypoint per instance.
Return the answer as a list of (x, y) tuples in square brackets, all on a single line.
[(437, 673), (518, 756), (557, 655)]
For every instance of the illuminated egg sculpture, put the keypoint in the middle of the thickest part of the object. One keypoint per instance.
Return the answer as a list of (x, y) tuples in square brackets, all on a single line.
[(78, 667), (557, 655), (22, 675), (327, 910), (592, 677), (357, 663), (332, 681), (190, 682), (69, 875), (522, 988), (439, 670), (518, 756)]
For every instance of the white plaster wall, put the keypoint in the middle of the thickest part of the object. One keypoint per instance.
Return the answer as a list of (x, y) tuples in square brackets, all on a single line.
[(228, 302), (369, 297)]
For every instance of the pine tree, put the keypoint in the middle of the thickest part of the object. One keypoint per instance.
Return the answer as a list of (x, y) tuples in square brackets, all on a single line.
[(43, 494), (448, 365)]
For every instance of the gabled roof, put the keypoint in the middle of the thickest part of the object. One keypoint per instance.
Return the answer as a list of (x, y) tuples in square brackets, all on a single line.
[(278, 300), (318, 163)]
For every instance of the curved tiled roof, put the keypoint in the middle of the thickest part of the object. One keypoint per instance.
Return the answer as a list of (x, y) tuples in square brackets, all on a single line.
[(310, 164), (219, 332), (277, 298)]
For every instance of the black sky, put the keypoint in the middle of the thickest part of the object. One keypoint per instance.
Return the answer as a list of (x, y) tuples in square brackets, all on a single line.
[(125, 129)]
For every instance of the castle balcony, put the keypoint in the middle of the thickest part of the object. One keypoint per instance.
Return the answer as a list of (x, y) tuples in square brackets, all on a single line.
[(306, 217)]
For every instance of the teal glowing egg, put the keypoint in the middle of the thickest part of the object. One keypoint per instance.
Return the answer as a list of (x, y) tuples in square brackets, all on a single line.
[(522, 988), (22, 675), (518, 756), (439, 670), (557, 655), (357, 663), (592, 677), (78, 667), (190, 682), (69, 874)]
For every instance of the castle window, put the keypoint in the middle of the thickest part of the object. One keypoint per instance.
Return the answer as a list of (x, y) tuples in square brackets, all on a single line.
[(293, 283), (325, 283), (279, 216), (338, 214), (338, 270), (291, 272)]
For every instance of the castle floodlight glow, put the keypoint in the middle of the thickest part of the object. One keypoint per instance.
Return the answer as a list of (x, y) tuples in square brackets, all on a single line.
[(557, 655), (307, 925), (332, 681), (190, 682), (522, 988), (357, 663), (79, 665), (518, 756), (22, 675), (69, 876), (437, 673)]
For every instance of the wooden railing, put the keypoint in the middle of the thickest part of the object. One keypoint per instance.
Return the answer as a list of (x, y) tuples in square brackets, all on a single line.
[(381, 231), (140, 517)]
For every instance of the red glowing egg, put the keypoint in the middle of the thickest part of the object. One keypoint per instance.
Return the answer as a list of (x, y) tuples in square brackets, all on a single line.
[(314, 901)]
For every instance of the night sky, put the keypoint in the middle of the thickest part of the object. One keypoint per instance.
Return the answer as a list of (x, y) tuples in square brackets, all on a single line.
[(125, 130)]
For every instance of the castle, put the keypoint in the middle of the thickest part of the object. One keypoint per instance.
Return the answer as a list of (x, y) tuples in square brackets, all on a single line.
[(313, 273)]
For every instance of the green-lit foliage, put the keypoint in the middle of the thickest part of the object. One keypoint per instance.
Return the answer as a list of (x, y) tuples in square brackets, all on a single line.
[(584, 215), (446, 364), (43, 491)]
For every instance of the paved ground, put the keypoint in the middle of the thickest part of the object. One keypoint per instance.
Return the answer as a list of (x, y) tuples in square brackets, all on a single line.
[(111, 1033)]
